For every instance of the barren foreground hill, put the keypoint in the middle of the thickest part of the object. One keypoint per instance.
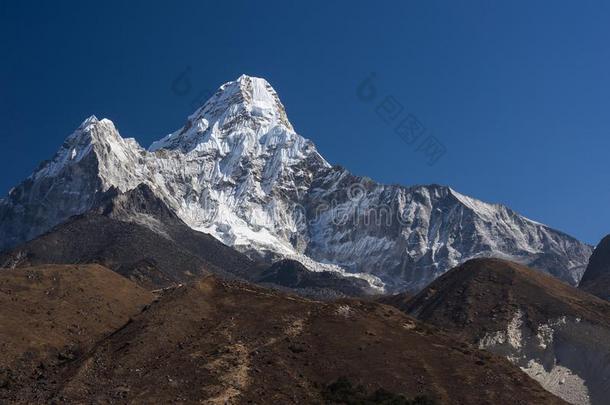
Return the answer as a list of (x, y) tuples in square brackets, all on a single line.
[(558, 334), (51, 315), (231, 342)]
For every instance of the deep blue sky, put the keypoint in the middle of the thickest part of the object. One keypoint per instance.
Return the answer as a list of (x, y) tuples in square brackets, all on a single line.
[(517, 92)]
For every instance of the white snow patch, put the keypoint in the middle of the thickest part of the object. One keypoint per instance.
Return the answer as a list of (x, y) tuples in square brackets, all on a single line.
[(343, 310)]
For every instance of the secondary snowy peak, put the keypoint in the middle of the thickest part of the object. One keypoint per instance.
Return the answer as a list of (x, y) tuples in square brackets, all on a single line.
[(76, 146), (100, 138), (248, 109)]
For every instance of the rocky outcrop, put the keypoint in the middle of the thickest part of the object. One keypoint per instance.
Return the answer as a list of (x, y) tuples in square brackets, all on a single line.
[(557, 334)]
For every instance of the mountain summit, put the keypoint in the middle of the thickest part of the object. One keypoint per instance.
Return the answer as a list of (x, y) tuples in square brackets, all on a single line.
[(248, 105), (238, 170)]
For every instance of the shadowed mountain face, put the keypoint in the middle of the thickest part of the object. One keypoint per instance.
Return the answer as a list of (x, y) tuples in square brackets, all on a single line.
[(129, 249), (137, 236), (292, 276), (51, 315), (596, 279), (141, 206), (400, 300), (231, 342), (556, 333)]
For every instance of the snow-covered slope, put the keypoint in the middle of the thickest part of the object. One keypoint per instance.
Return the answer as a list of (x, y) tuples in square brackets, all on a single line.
[(238, 170)]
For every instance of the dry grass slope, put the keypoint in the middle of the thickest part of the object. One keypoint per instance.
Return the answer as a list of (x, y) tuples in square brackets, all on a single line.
[(50, 315)]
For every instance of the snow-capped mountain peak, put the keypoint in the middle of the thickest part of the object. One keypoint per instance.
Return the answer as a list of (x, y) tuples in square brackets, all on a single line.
[(247, 108), (253, 95), (80, 143), (238, 170), (91, 120)]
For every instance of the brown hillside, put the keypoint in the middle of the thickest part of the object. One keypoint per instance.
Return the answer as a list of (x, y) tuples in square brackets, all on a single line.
[(230, 342), (52, 314), (483, 294), (558, 334)]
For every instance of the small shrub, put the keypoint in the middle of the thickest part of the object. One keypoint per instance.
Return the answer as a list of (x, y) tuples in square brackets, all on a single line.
[(344, 392)]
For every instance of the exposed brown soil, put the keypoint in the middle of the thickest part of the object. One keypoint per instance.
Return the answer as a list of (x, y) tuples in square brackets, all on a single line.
[(50, 315), (221, 342)]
